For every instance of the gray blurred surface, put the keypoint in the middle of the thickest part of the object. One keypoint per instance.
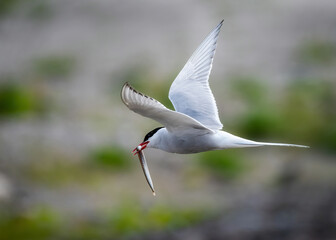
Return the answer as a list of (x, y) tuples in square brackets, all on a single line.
[(108, 39)]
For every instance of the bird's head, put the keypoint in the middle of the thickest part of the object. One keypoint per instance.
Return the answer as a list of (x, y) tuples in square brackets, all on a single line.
[(146, 140)]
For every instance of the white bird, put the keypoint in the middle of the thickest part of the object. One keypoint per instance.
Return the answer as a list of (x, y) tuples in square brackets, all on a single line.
[(194, 126)]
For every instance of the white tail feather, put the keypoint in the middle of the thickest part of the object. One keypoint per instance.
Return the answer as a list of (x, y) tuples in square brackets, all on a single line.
[(257, 144), (228, 140)]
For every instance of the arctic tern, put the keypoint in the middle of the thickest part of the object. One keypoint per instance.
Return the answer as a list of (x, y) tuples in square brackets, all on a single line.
[(194, 126)]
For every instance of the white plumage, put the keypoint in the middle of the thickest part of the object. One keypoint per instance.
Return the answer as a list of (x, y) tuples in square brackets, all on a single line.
[(194, 126), (190, 93)]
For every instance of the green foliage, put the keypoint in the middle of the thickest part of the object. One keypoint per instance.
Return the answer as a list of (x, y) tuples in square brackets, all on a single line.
[(36, 9), (317, 52), (60, 172), (54, 67), (111, 157), (57, 169), (251, 90), (328, 137), (163, 217), (225, 164), (132, 219), (260, 119), (37, 224), (7, 6), (306, 113), (262, 123), (310, 110), (15, 100), (124, 221)]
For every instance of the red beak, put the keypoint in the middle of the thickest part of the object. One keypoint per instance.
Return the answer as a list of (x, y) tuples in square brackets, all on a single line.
[(141, 147)]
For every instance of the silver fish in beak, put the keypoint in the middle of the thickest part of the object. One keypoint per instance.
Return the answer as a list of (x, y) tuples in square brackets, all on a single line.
[(145, 169)]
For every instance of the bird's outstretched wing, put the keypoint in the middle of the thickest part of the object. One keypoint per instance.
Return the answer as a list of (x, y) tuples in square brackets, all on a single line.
[(190, 92), (175, 122)]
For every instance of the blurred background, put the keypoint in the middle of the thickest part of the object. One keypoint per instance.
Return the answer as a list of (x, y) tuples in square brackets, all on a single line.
[(66, 170)]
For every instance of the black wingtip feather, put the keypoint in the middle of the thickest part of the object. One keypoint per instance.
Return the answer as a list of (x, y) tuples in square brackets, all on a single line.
[(221, 23), (127, 85)]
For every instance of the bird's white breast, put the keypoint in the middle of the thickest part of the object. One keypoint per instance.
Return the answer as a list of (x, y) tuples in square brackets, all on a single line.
[(186, 144)]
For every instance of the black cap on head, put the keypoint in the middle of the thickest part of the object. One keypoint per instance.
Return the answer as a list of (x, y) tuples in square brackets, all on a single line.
[(151, 133)]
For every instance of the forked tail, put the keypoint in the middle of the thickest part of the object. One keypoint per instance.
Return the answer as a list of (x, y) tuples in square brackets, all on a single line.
[(228, 140), (257, 144)]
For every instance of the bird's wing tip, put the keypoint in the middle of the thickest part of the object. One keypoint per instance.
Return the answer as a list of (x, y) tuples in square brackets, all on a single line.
[(122, 93), (126, 85), (220, 23)]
